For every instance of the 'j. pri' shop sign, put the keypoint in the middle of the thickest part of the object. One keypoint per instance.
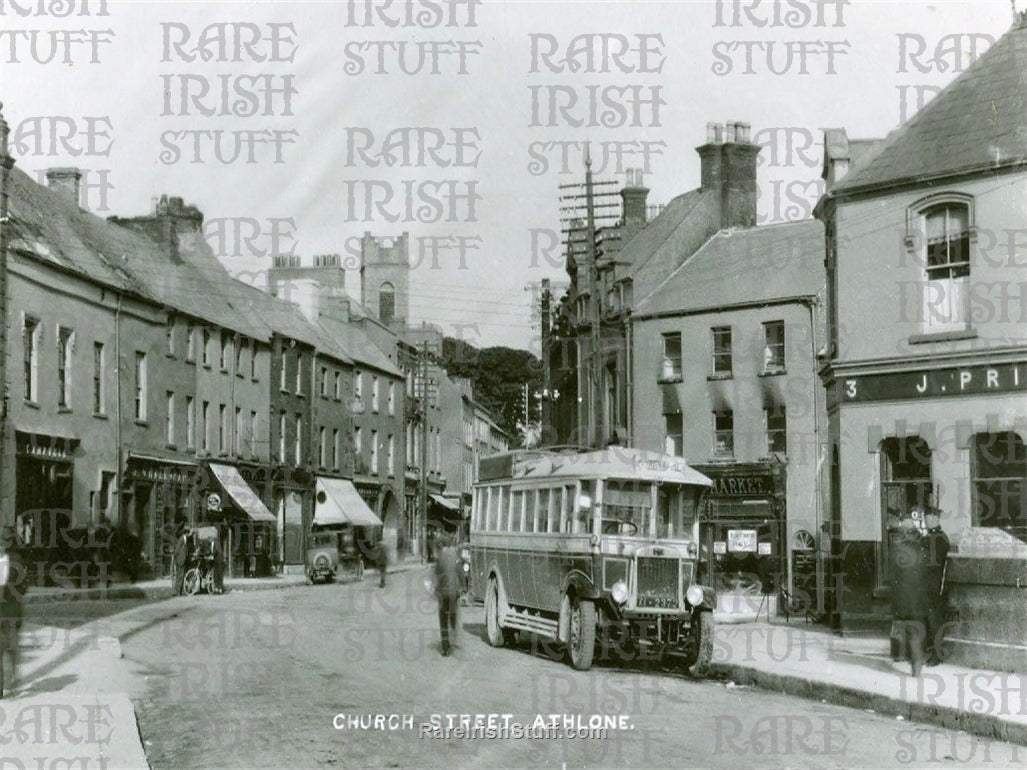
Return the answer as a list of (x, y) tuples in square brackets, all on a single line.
[(935, 383)]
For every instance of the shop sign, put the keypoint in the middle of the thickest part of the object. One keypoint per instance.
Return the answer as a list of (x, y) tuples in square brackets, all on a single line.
[(741, 540), (743, 486), (935, 383), (720, 547), (764, 549), (213, 502)]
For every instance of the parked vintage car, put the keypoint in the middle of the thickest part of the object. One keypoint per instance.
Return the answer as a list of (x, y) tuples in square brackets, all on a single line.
[(322, 557)]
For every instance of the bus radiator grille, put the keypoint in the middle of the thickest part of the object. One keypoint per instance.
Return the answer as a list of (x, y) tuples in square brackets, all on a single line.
[(658, 582)]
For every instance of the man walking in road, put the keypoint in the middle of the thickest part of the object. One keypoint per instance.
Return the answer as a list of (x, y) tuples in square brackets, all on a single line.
[(448, 585), (181, 558)]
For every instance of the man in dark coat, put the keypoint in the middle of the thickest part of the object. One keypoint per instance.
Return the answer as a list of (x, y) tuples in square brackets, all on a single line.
[(181, 559), (219, 564), (448, 585), (382, 560)]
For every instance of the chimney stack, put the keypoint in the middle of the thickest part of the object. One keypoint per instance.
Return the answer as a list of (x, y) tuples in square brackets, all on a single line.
[(633, 197), (66, 182), (729, 166)]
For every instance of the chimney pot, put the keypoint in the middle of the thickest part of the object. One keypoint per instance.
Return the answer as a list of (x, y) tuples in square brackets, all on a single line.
[(718, 133), (65, 182), (729, 133), (711, 133)]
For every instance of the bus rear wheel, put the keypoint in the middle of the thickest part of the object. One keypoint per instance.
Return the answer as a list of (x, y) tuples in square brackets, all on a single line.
[(495, 634), (582, 643), (700, 645)]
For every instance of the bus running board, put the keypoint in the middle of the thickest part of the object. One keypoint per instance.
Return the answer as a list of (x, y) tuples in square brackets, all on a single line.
[(525, 621)]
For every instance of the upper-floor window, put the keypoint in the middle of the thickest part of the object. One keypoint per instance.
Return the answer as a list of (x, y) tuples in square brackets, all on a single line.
[(99, 379), (722, 351), (947, 233), (673, 435), (299, 374), (777, 429), (253, 359), (358, 385), (671, 367), (222, 428), (205, 350), (281, 372), (65, 344), (190, 342), (169, 418), (30, 334), (335, 449), (392, 398), (190, 422), (141, 386), (374, 393), (338, 386), (205, 427), (237, 435), (374, 452), (226, 350), (724, 433), (324, 382), (774, 346), (281, 438), (322, 446), (390, 459), (238, 355), (297, 450), (169, 336)]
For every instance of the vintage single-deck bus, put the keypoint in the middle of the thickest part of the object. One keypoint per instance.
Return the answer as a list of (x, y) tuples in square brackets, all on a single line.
[(570, 544)]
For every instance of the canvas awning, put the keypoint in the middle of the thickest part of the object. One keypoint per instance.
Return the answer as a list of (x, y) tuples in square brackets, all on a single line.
[(338, 502), (446, 502), (240, 492)]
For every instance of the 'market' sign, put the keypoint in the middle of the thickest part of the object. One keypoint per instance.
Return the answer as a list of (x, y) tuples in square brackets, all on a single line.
[(935, 383)]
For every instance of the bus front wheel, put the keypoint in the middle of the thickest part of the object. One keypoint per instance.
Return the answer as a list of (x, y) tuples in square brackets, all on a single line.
[(582, 634), (494, 632), (700, 645)]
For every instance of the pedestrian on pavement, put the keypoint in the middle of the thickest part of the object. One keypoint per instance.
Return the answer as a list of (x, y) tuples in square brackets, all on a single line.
[(382, 558), (12, 590), (219, 563), (448, 585), (916, 578), (181, 559)]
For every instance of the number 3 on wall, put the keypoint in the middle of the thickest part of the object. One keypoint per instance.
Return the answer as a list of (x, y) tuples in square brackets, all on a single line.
[(850, 388)]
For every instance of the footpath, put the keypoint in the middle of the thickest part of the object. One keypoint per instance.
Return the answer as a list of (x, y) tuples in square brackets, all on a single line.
[(809, 661), (71, 703)]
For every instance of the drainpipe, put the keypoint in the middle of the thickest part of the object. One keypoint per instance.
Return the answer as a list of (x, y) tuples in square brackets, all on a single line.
[(6, 466), (811, 305), (117, 411)]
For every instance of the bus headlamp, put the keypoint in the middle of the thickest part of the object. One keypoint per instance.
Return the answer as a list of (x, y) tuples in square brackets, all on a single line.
[(619, 592), (694, 595)]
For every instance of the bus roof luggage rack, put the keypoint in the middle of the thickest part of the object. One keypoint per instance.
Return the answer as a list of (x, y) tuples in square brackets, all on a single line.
[(518, 462)]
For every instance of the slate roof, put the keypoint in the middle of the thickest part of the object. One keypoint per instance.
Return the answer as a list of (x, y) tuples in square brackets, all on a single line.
[(358, 345), (978, 121), (664, 243), (752, 265)]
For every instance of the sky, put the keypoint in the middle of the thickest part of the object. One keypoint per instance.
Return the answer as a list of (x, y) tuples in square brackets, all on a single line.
[(296, 127)]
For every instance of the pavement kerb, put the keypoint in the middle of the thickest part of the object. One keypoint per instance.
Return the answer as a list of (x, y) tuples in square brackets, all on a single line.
[(135, 591), (945, 717)]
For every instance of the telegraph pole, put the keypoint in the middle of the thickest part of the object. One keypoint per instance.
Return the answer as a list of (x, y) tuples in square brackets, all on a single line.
[(422, 503), (6, 463), (582, 221)]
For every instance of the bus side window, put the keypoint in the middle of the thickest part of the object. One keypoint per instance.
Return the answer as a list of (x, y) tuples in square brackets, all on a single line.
[(528, 519), (553, 517), (538, 520), (516, 511), (493, 509)]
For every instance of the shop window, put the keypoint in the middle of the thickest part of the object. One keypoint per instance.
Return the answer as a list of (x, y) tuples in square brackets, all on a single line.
[(30, 347), (1000, 482), (721, 351), (724, 433), (673, 435), (773, 347), (946, 234), (65, 344), (905, 484), (671, 367), (777, 433)]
